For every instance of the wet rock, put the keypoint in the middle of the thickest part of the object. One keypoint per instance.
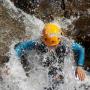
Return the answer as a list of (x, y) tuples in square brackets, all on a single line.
[(44, 8), (9, 31), (4, 59), (67, 14), (77, 7)]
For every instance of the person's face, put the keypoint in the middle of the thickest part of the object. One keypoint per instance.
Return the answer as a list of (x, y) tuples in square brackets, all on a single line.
[(51, 41)]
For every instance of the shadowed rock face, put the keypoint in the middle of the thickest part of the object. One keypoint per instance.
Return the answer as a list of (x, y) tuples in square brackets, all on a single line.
[(43, 9), (47, 9), (9, 31)]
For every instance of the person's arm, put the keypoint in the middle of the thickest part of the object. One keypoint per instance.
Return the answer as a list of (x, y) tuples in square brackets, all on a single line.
[(77, 48), (81, 56), (21, 47)]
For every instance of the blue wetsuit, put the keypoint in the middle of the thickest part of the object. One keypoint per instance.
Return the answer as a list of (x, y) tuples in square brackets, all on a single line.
[(54, 61), (29, 45)]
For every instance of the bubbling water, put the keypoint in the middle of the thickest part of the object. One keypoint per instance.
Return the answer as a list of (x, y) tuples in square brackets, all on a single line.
[(38, 75)]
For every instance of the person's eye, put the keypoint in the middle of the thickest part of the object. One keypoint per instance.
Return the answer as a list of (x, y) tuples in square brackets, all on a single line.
[(53, 41), (45, 39)]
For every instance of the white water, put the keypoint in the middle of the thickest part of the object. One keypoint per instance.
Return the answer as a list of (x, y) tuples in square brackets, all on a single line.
[(15, 78)]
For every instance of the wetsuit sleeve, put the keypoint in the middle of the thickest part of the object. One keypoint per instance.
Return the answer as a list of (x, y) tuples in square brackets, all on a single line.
[(77, 48), (21, 47)]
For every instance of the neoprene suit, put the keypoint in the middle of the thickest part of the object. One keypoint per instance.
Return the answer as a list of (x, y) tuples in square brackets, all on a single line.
[(20, 48)]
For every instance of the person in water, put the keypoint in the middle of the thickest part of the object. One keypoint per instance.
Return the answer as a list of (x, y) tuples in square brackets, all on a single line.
[(51, 40)]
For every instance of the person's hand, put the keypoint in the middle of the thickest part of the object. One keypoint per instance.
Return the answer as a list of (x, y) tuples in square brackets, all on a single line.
[(80, 73)]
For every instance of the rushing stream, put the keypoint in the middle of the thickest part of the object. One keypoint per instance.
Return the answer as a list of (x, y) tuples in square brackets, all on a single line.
[(15, 77)]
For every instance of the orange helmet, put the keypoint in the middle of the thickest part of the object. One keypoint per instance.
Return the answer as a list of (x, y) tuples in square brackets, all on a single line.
[(51, 34)]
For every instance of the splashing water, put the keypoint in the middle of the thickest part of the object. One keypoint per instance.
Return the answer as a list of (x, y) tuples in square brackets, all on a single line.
[(15, 78)]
